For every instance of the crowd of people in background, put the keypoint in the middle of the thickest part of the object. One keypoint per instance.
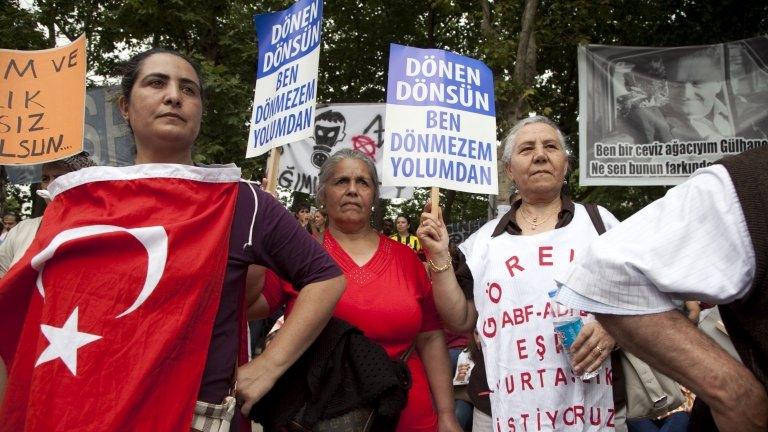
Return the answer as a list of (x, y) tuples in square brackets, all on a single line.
[(473, 323), (9, 221)]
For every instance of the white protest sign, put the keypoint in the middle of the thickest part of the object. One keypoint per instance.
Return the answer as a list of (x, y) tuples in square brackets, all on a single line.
[(441, 122), (286, 77), (337, 126)]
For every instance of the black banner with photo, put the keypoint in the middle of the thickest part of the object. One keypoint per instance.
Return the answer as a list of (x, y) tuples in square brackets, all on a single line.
[(652, 116)]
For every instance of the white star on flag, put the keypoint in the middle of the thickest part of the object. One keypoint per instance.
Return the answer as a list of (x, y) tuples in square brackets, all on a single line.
[(65, 341)]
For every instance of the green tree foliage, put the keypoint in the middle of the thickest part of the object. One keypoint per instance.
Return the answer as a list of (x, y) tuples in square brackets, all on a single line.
[(562, 26), (355, 50), (18, 199), (19, 28)]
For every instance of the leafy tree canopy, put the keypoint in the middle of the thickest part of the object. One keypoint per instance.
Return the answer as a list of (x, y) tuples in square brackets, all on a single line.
[(357, 34)]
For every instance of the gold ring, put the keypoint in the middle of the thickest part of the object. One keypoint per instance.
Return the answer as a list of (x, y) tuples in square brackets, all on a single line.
[(599, 349)]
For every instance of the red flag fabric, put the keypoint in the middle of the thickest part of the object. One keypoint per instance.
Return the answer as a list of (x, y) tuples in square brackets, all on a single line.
[(107, 319)]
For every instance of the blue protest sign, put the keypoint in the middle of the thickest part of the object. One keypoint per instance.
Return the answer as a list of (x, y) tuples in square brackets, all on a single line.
[(441, 121), (286, 76)]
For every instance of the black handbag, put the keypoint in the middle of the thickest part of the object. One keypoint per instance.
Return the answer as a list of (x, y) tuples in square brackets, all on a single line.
[(343, 382), (359, 420)]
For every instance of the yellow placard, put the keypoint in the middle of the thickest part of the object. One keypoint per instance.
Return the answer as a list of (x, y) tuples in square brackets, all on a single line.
[(42, 103)]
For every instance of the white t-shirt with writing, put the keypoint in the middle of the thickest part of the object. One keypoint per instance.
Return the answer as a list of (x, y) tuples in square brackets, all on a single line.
[(533, 386)]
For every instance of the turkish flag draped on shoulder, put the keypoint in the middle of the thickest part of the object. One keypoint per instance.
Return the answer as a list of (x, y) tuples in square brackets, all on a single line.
[(107, 319)]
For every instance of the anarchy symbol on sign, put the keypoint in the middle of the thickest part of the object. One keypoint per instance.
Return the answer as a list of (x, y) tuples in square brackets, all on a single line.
[(364, 144)]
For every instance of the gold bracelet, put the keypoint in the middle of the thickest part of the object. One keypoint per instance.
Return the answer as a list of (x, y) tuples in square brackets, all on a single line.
[(438, 269)]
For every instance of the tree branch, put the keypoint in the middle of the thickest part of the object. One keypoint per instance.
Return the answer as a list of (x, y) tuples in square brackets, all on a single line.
[(486, 25), (526, 36), (525, 61), (66, 33), (431, 24)]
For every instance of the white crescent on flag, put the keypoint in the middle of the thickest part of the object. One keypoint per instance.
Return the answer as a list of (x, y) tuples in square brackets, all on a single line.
[(154, 239)]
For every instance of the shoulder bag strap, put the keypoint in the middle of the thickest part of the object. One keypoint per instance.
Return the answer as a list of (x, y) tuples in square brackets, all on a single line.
[(597, 220), (619, 380)]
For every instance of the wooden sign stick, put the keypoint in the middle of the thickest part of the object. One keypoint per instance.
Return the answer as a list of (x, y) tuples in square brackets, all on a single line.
[(273, 165), (435, 199)]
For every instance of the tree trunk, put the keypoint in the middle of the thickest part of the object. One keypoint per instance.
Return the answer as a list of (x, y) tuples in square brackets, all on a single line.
[(378, 213), (505, 183), (431, 24), (51, 35), (525, 62), (492, 203), (526, 35), (527, 80), (524, 75), (485, 24), (210, 37)]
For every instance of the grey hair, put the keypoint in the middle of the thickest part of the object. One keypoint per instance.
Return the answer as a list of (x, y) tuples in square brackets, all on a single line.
[(330, 166), (509, 140)]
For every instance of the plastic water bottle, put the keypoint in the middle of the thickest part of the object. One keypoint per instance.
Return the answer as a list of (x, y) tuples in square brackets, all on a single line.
[(568, 327)]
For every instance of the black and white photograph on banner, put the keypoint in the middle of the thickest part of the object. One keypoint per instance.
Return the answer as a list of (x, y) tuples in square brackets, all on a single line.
[(652, 116)]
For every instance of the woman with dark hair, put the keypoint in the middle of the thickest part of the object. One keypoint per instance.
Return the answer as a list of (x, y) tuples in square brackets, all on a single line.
[(302, 215), (388, 296), (319, 223), (9, 221), (403, 234), (162, 102)]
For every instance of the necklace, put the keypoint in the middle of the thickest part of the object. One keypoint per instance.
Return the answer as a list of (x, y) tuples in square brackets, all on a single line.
[(535, 221)]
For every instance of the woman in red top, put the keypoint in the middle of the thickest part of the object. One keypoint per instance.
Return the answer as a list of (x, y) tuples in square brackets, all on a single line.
[(388, 295)]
